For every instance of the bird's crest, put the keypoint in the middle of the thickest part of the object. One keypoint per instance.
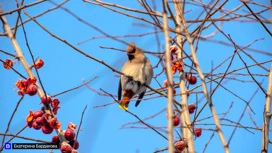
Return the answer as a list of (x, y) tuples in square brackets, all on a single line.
[(131, 48)]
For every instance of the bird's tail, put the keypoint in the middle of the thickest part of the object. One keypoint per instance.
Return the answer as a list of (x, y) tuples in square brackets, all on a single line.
[(128, 94)]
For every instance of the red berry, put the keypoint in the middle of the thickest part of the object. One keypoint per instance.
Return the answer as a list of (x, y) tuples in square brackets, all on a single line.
[(39, 63), (31, 80), (31, 90), (39, 121), (71, 126), (55, 103), (55, 139), (174, 91), (165, 83), (53, 123), (46, 99), (198, 132), (8, 64), (29, 124), (191, 108), (173, 49), (46, 129), (66, 148), (191, 79), (176, 121), (69, 135), (180, 145), (36, 126), (38, 113), (43, 109), (74, 144)]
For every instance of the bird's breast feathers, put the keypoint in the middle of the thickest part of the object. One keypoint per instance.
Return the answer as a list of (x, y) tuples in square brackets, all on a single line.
[(141, 73)]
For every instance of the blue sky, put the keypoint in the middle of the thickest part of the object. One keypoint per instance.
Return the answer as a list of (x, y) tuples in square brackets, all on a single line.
[(65, 68)]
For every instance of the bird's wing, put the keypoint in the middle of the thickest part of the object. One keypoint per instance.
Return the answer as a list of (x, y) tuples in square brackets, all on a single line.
[(141, 95), (119, 90)]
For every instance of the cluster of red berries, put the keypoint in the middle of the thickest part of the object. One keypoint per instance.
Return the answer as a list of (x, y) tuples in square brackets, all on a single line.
[(46, 100), (176, 119), (191, 109), (180, 145), (41, 120), (176, 64), (69, 134), (27, 86)]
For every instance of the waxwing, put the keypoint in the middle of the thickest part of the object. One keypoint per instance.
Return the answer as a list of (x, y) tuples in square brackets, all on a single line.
[(138, 72)]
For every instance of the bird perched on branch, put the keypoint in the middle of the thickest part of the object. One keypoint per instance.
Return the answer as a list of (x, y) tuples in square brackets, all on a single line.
[(138, 72)]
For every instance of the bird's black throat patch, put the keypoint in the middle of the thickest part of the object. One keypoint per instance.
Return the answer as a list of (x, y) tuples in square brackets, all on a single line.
[(130, 57)]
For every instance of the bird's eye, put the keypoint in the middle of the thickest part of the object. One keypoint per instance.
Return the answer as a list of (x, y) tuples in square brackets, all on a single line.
[(134, 50)]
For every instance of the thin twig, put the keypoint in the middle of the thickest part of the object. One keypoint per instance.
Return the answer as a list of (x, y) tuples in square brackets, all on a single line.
[(5, 52), (77, 87), (82, 115), (18, 17), (17, 72), (12, 115), (137, 117), (41, 14), (25, 138), (268, 31), (145, 119), (208, 142), (2, 147), (22, 7), (241, 117)]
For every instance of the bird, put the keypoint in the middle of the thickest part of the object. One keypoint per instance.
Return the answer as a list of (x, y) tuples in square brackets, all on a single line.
[(138, 72)]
